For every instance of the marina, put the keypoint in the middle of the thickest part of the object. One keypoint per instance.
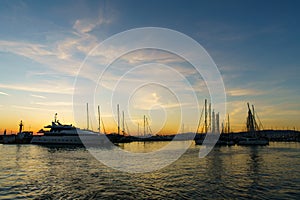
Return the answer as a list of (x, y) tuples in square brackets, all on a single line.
[(65, 134), (162, 100)]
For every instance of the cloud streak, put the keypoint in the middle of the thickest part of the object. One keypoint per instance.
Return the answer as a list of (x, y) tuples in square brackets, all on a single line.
[(54, 103), (243, 92), (41, 88), (3, 93), (38, 96)]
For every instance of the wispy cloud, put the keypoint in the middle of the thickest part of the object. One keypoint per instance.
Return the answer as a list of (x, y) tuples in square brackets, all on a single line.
[(38, 96), (32, 108), (3, 93), (54, 103), (43, 54), (41, 88), (51, 110), (24, 48), (87, 25), (243, 92), (61, 56)]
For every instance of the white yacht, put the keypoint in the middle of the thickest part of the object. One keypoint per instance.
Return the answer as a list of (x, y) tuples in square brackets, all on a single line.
[(68, 135)]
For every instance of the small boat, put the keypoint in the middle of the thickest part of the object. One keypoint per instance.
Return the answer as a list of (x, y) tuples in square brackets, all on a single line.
[(209, 141), (253, 141), (22, 137), (253, 136)]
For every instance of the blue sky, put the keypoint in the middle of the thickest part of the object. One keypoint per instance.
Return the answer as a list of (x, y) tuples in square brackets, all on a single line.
[(255, 44)]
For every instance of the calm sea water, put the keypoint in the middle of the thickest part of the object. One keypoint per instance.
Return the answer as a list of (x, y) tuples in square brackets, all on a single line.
[(36, 172)]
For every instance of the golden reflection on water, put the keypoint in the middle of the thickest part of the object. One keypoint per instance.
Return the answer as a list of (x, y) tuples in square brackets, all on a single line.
[(143, 147), (29, 171)]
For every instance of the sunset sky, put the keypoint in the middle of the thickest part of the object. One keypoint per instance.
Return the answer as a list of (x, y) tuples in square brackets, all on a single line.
[(255, 45)]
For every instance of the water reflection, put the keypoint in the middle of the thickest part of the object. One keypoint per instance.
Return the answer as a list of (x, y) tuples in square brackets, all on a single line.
[(143, 147), (216, 172), (254, 175), (226, 173)]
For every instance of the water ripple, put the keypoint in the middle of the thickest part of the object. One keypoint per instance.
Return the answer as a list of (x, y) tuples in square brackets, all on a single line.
[(35, 172)]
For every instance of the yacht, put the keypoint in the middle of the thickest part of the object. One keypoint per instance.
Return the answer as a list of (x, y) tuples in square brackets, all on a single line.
[(63, 134)]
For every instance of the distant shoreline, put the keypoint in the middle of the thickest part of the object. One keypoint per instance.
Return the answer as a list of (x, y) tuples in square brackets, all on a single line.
[(271, 135)]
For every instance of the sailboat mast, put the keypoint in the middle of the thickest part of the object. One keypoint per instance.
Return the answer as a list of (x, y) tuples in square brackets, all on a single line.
[(250, 122), (209, 116), (213, 127), (118, 110), (222, 126), (99, 119), (87, 116), (218, 123), (148, 127), (123, 124), (144, 125), (205, 116), (228, 124), (253, 114)]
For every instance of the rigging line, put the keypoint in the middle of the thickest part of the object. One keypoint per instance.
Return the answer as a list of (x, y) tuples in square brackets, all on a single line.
[(260, 124), (200, 120), (127, 128), (149, 126), (103, 126)]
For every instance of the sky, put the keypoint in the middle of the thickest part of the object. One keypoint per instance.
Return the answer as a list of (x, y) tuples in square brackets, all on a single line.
[(43, 44)]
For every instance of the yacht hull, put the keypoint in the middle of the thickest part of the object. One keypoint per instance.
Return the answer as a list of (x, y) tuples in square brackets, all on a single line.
[(86, 140)]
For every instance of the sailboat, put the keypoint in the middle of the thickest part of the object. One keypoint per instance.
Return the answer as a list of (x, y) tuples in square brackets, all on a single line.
[(118, 137), (211, 134), (253, 136)]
